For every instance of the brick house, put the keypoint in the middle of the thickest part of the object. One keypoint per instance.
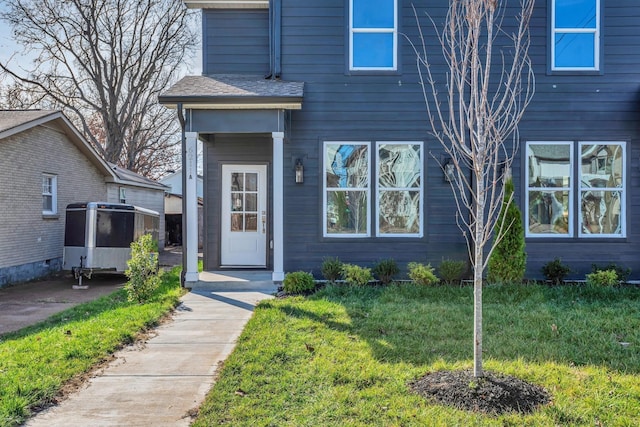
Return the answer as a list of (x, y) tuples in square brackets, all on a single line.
[(45, 164)]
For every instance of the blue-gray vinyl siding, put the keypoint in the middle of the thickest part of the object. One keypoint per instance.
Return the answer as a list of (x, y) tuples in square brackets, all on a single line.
[(340, 105), (235, 42)]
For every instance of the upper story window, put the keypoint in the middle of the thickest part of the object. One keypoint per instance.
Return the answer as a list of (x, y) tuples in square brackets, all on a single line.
[(575, 35), (373, 34), (49, 194), (559, 191)]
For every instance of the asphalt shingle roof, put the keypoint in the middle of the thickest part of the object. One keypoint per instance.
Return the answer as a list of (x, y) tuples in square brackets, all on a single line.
[(10, 119), (234, 86)]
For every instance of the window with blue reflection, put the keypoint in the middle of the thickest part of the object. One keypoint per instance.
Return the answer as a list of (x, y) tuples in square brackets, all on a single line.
[(373, 35), (575, 34), (576, 13)]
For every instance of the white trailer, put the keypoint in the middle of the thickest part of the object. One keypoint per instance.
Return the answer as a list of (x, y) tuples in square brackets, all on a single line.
[(98, 236)]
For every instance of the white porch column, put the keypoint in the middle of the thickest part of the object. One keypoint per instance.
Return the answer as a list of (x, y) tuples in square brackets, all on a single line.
[(278, 206), (190, 235)]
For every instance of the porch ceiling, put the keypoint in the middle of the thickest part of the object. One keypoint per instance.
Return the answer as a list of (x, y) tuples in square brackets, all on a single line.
[(232, 91)]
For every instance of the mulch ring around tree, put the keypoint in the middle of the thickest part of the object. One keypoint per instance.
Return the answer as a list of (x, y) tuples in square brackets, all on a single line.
[(492, 394)]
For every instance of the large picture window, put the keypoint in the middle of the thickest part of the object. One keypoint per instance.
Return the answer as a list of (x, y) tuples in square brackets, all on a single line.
[(347, 189), (399, 194), (398, 180), (562, 196), (575, 35), (373, 34)]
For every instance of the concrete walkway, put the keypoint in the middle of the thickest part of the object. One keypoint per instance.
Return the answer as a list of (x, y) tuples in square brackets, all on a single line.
[(163, 381)]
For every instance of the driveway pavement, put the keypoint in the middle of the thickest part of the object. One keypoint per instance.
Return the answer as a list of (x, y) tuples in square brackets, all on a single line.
[(25, 304)]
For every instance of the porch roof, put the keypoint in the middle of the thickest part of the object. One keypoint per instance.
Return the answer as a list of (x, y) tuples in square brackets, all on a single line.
[(233, 91)]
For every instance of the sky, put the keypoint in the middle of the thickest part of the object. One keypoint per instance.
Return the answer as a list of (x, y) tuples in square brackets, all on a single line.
[(12, 51)]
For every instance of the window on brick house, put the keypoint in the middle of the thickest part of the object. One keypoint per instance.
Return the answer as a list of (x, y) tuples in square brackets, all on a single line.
[(49, 194)]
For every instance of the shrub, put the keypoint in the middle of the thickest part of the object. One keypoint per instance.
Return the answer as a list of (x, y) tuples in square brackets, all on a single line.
[(331, 268), (508, 260), (602, 278), (622, 272), (385, 270), (451, 270), (298, 282), (422, 274), (355, 275), (555, 271), (142, 270)]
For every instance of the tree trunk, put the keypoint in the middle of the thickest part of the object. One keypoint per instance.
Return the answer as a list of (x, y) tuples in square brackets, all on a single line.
[(477, 278)]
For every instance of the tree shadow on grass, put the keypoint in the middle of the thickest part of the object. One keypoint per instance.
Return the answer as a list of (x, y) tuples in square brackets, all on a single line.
[(419, 325)]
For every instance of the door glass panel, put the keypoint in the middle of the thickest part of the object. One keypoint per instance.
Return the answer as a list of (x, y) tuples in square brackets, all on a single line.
[(236, 222), (237, 181), (252, 222), (252, 202), (236, 202), (252, 182)]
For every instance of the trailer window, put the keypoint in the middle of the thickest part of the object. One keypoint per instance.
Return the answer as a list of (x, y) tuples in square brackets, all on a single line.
[(114, 229), (74, 228)]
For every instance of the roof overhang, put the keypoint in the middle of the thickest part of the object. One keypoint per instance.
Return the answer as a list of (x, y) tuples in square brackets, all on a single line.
[(234, 92), (222, 103), (227, 4), (42, 118)]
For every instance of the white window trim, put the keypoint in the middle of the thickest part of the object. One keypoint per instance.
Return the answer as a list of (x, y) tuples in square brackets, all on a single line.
[(393, 30), (622, 190), (325, 190), (575, 191), (595, 31), (420, 189), (53, 194), (122, 194), (572, 184)]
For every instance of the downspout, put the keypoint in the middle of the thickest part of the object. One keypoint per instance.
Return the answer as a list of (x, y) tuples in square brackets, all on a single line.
[(277, 42), (183, 143), (275, 31)]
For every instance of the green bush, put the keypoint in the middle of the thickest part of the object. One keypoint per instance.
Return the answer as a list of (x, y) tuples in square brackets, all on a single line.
[(555, 271), (385, 269), (422, 274), (331, 268), (602, 278), (298, 282), (508, 260), (452, 270), (622, 272), (355, 275), (142, 270)]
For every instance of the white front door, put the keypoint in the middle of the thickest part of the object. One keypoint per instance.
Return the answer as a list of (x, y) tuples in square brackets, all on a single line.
[(244, 216)]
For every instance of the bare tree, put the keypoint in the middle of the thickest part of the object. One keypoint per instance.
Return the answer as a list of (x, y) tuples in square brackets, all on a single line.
[(488, 85), (104, 62)]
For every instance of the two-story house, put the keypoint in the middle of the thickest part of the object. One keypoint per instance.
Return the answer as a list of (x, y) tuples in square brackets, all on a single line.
[(316, 139)]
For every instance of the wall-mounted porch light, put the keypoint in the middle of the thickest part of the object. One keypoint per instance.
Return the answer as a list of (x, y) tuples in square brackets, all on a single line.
[(299, 172), (449, 170)]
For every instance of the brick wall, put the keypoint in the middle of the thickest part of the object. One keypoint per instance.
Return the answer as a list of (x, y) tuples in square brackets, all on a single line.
[(26, 236)]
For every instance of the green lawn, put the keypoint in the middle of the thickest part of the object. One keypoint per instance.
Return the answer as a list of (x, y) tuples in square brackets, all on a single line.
[(344, 356), (35, 362)]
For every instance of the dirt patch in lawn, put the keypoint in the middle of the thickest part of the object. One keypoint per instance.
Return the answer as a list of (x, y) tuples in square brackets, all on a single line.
[(493, 394)]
